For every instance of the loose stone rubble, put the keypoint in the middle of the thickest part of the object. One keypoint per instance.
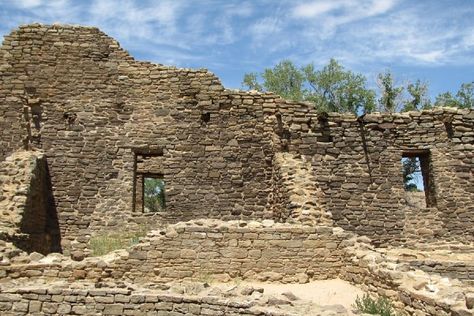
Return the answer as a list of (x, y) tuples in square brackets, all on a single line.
[(257, 189)]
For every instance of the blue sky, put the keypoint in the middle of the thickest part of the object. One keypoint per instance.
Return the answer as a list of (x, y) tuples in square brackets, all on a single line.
[(424, 39)]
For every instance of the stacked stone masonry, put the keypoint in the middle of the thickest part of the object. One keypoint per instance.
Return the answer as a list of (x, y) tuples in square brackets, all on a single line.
[(75, 94), (200, 251), (262, 251), (29, 217), (42, 300)]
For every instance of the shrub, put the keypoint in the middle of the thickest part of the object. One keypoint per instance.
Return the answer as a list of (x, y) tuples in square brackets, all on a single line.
[(382, 306)]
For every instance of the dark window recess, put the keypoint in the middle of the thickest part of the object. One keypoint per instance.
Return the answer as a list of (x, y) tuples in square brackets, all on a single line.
[(206, 117), (449, 129), (417, 176), (324, 128), (283, 133), (70, 117)]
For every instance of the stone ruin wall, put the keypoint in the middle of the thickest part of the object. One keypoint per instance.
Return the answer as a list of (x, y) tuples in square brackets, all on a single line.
[(94, 111), (210, 251), (206, 250), (359, 169), (29, 219), (43, 300), (91, 109)]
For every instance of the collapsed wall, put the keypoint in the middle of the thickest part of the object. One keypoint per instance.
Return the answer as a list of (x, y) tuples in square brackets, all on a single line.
[(106, 121)]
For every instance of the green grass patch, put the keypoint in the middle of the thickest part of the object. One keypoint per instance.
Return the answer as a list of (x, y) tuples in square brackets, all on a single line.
[(103, 244)]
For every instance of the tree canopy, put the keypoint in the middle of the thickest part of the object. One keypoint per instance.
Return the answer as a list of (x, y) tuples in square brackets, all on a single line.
[(331, 89), (418, 99), (464, 98), (390, 97), (336, 89), (154, 194)]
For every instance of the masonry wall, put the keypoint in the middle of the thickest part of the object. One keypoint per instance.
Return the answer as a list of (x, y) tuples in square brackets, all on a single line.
[(93, 109), (29, 218), (414, 292), (41, 300), (224, 251), (357, 165), (215, 251), (210, 250)]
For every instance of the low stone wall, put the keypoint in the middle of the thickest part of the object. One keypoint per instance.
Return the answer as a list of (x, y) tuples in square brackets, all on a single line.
[(264, 251), (452, 260), (206, 250), (218, 251), (413, 291), (43, 300)]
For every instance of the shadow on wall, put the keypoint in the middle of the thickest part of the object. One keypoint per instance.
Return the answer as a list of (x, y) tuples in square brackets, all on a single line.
[(39, 226)]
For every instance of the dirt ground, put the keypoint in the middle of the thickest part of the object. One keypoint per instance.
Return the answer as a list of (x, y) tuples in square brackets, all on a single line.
[(324, 292)]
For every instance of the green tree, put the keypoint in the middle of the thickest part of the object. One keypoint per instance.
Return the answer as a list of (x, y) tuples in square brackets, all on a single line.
[(464, 98), (465, 95), (335, 89), (411, 166), (285, 79), (154, 194), (251, 81), (332, 89), (390, 99), (446, 99), (418, 97)]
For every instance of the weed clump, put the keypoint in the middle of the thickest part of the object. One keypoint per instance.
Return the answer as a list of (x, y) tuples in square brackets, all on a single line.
[(381, 306)]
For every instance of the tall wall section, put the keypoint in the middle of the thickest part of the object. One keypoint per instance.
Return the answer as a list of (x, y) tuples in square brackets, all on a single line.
[(99, 115), (74, 93)]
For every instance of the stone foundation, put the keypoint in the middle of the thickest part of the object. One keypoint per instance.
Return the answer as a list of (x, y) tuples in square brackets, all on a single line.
[(87, 300), (216, 251)]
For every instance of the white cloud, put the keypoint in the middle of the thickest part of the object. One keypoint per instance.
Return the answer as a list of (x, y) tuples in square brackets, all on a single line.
[(406, 37), (342, 10), (26, 4), (314, 9), (265, 27), (380, 31), (241, 9)]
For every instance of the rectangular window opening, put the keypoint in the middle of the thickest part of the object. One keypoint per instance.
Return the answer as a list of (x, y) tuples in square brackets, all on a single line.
[(417, 178)]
